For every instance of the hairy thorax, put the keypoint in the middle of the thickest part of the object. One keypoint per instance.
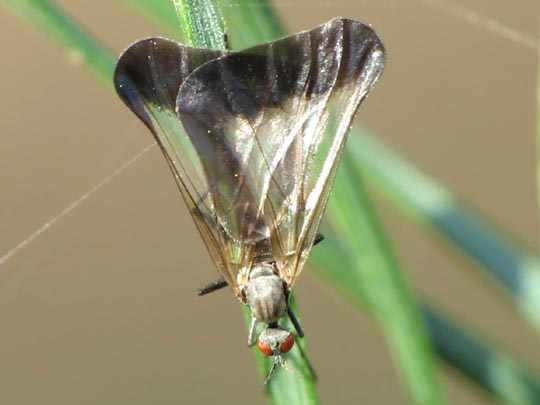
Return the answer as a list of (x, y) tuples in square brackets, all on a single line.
[(265, 293)]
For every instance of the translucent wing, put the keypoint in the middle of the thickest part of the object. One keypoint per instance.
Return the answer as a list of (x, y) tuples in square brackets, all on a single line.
[(268, 125), (147, 78)]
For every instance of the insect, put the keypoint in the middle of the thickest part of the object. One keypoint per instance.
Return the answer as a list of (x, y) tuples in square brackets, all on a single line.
[(253, 139)]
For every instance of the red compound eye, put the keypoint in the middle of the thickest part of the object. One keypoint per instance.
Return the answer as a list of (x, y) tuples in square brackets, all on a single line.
[(265, 348), (287, 344)]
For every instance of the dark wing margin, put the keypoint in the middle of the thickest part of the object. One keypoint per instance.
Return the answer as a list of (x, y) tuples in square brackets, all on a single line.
[(275, 117)]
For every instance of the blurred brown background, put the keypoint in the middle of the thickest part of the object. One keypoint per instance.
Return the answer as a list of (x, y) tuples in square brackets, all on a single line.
[(101, 309)]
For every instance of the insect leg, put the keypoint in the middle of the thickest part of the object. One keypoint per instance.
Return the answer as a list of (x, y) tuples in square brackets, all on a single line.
[(226, 40), (220, 283), (277, 359), (211, 287), (251, 334), (294, 321), (318, 238), (305, 358)]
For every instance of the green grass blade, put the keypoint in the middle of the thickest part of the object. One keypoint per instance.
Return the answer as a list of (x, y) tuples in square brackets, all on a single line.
[(373, 270), (198, 23), (262, 26), (251, 24), (161, 12), (485, 364), (422, 199), (489, 367), (201, 23), (80, 46)]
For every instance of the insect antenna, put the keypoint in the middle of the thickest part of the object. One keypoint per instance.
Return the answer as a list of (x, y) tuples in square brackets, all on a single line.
[(278, 359)]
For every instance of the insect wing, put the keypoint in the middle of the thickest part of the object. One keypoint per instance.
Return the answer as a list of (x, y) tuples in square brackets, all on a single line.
[(269, 124), (147, 78)]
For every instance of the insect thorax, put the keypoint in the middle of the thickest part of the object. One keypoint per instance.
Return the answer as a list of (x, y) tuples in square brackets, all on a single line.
[(266, 293)]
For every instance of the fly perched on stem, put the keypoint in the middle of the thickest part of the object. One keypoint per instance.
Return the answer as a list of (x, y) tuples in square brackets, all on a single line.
[(253, 139)]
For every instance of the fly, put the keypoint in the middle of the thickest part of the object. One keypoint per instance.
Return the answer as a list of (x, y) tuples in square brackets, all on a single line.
[(253, 139)]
